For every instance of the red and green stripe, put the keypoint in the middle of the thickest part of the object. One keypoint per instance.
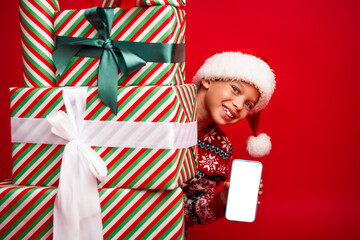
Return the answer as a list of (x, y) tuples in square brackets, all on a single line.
[(27, 213), (158, 24), (116, 3), (188, 169), (37, 37), (144, 214)]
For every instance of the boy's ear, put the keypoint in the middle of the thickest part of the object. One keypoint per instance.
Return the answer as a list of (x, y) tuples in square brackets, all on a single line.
[(205, 83)]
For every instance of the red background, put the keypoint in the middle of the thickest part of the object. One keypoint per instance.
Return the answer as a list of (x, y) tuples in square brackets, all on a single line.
[(310, 179)]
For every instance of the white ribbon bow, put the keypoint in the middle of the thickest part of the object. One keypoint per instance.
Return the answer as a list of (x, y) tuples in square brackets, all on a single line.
[(77, 212)]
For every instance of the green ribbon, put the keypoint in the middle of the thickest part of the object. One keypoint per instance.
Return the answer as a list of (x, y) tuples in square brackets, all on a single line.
[(114, 55)]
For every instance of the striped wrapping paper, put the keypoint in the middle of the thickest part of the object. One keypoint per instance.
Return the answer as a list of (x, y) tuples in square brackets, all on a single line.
[(156, 24), (37, 40), (137, 168), (6, 182), (175, 3), (27, 213), (188, 169)]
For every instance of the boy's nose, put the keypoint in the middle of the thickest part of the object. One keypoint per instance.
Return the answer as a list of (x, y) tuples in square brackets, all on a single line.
[(238, 104)]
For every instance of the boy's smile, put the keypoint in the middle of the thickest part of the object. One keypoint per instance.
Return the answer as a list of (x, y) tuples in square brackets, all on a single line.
[(225, 102), (228, 112)]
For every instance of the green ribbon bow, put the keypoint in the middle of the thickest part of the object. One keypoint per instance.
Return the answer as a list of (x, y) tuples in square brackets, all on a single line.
[(114, 55)]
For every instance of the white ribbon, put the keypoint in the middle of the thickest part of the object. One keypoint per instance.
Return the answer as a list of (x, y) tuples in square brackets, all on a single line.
[(77, 212), (154, 135)]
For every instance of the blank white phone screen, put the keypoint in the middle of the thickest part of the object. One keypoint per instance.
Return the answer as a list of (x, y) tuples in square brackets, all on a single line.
[(242, 198)]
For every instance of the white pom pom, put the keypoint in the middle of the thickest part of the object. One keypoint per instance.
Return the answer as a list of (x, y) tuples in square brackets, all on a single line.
[(258, 146)]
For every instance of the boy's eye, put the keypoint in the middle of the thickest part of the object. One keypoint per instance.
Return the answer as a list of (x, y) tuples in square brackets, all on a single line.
[(235, 89), (249, 105)]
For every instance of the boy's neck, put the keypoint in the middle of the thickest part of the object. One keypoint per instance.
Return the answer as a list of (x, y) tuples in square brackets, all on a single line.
[(203, 123)]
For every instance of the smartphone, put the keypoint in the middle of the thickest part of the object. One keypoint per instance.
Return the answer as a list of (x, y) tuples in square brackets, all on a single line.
[(242, 198)]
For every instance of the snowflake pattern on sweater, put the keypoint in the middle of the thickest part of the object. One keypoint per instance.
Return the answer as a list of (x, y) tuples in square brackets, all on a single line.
[(201, 193)]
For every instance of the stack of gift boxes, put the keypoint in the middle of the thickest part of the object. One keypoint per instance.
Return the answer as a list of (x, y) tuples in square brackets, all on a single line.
[(146, 137)]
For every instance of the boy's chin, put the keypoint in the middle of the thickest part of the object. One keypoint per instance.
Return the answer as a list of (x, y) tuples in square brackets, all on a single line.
[(221, 122)]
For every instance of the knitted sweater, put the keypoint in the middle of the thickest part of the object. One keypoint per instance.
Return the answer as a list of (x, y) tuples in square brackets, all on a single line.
[(202, 193)]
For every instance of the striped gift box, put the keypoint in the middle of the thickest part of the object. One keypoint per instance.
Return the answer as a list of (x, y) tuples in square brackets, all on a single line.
[(37, 39), (138, 168), (27, 213), (156, 24), (175, 3)]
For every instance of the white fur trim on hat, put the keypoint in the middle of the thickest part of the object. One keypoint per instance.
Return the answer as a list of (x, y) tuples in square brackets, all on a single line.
[(258, 146), (240, 67)]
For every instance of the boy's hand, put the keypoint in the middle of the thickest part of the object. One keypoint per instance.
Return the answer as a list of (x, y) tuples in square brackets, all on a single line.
[(261, 190), (224, 194)]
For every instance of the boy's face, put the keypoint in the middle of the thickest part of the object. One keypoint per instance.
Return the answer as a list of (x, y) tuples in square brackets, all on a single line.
[(228, 102)]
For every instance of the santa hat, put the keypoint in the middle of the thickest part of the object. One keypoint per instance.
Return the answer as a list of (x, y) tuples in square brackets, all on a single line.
[(248, 67)]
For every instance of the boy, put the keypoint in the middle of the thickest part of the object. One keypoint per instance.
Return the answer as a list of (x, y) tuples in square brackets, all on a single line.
[(231, 86)]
